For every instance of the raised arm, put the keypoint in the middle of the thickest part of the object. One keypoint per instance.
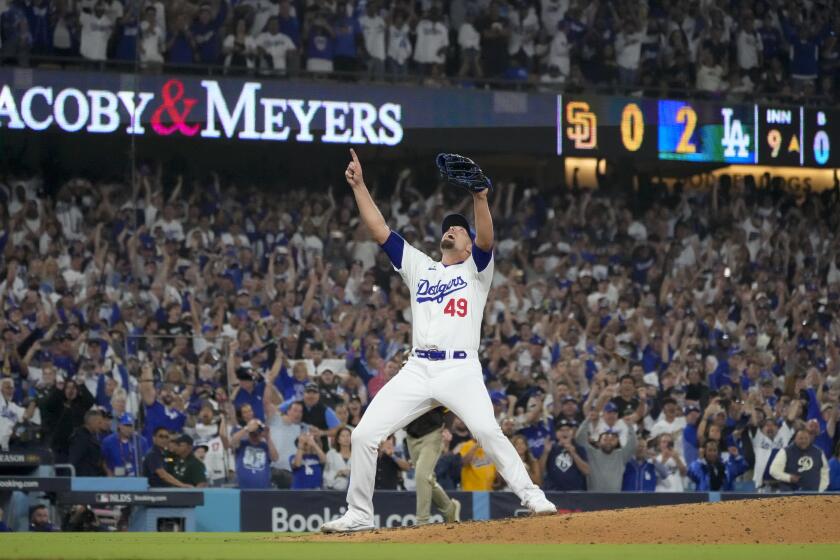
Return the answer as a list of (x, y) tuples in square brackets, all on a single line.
[(371, 216), (483, 221), (271, 398)]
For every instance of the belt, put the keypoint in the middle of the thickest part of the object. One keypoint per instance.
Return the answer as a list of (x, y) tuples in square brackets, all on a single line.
[(436, 355)]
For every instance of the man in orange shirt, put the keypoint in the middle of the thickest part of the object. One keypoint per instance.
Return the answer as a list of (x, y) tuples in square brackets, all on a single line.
[(477, 471)]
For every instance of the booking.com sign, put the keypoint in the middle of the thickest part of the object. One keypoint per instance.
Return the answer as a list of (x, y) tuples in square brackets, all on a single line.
[(173, 111)]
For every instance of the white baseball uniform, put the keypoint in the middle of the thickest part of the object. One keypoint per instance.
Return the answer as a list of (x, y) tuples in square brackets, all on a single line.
[(447, 305)]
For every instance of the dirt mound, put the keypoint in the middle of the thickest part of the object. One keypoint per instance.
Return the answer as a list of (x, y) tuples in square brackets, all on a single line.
[(795, 519)]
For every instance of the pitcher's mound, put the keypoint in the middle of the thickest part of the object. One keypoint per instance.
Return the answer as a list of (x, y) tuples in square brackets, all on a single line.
[(793, 519)]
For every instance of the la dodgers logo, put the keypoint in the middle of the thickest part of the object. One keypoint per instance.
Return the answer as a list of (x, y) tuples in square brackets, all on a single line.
[(427, 291)]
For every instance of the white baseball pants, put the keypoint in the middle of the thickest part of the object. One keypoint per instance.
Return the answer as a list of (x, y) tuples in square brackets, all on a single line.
[(420, 386)]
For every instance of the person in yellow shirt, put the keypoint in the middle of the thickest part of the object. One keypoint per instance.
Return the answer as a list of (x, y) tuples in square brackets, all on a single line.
[(477, 471)]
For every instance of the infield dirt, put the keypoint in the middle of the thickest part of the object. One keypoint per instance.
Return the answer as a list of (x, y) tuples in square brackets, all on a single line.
[(788, 520)]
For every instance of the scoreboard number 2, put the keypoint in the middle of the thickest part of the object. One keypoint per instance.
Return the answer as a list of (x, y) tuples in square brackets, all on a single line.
[(632, 127), (688, 116)]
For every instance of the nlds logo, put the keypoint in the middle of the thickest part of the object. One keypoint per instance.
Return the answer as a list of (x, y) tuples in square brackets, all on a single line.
[(735, 141)]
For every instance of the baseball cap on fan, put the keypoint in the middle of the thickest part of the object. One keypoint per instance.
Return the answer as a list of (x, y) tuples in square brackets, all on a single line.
[(457, 220)]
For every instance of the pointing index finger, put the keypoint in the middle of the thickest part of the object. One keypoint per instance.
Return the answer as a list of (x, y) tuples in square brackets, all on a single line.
[(355, 157)]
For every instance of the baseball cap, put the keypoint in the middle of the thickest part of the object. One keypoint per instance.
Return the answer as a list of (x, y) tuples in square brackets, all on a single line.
[(126, 419), (244, 373), (203, 444), (610, 407), (184, 438), (565, 423), (568, 398), (692, 408), (610, 432), (311, 388), (457, 220)]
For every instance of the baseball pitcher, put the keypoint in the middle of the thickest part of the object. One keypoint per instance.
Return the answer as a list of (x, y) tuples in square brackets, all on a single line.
[(447, 305)]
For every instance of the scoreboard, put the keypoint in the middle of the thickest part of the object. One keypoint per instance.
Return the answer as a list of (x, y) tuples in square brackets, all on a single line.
[(697, 131)]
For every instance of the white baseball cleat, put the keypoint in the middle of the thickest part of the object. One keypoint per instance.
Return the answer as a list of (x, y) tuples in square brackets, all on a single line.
[(347, 523), (539, 505)]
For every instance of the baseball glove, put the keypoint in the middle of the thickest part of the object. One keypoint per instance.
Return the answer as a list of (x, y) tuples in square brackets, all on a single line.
[(463, 172)]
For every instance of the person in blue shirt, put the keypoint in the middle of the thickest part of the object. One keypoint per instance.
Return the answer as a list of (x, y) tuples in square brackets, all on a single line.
[(38, 15), (166, 411), (834, 471), (345, 32), (690, 439), (124, 450), (822, 421), (126, 36), (319, 38), (564, 464), (656, 354), (206, 32), (536, 428), (307, 464), (711, 473), (292, 386), (180, 45), (642, 472), (247, 391), (771, 37), (288, 23), (254, 454)]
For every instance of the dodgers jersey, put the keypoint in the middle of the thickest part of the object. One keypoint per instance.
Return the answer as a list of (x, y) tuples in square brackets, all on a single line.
[(447, 302)]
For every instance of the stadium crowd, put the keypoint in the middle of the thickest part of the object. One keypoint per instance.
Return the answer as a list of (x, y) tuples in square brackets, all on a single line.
[(783, 49), (204, 333)]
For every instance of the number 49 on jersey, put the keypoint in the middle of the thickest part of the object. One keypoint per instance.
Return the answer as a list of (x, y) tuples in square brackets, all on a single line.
[(456, 307)]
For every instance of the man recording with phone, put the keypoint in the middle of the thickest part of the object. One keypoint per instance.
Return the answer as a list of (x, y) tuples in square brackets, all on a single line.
[(255, 452)]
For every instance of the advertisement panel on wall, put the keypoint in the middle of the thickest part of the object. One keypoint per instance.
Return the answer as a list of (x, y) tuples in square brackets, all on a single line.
[(270, 111), (251, 109), (304, 510), (298, 511)]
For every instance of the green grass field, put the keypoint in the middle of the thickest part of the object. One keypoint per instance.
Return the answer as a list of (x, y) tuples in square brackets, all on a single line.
[(257, 546)]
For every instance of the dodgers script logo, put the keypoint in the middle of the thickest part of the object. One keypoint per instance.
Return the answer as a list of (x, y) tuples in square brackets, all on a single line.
[(436, 292)]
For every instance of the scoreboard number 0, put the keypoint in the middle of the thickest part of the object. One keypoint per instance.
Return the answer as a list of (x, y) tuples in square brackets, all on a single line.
[(688, 116), (632, 127), (822, 147)]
